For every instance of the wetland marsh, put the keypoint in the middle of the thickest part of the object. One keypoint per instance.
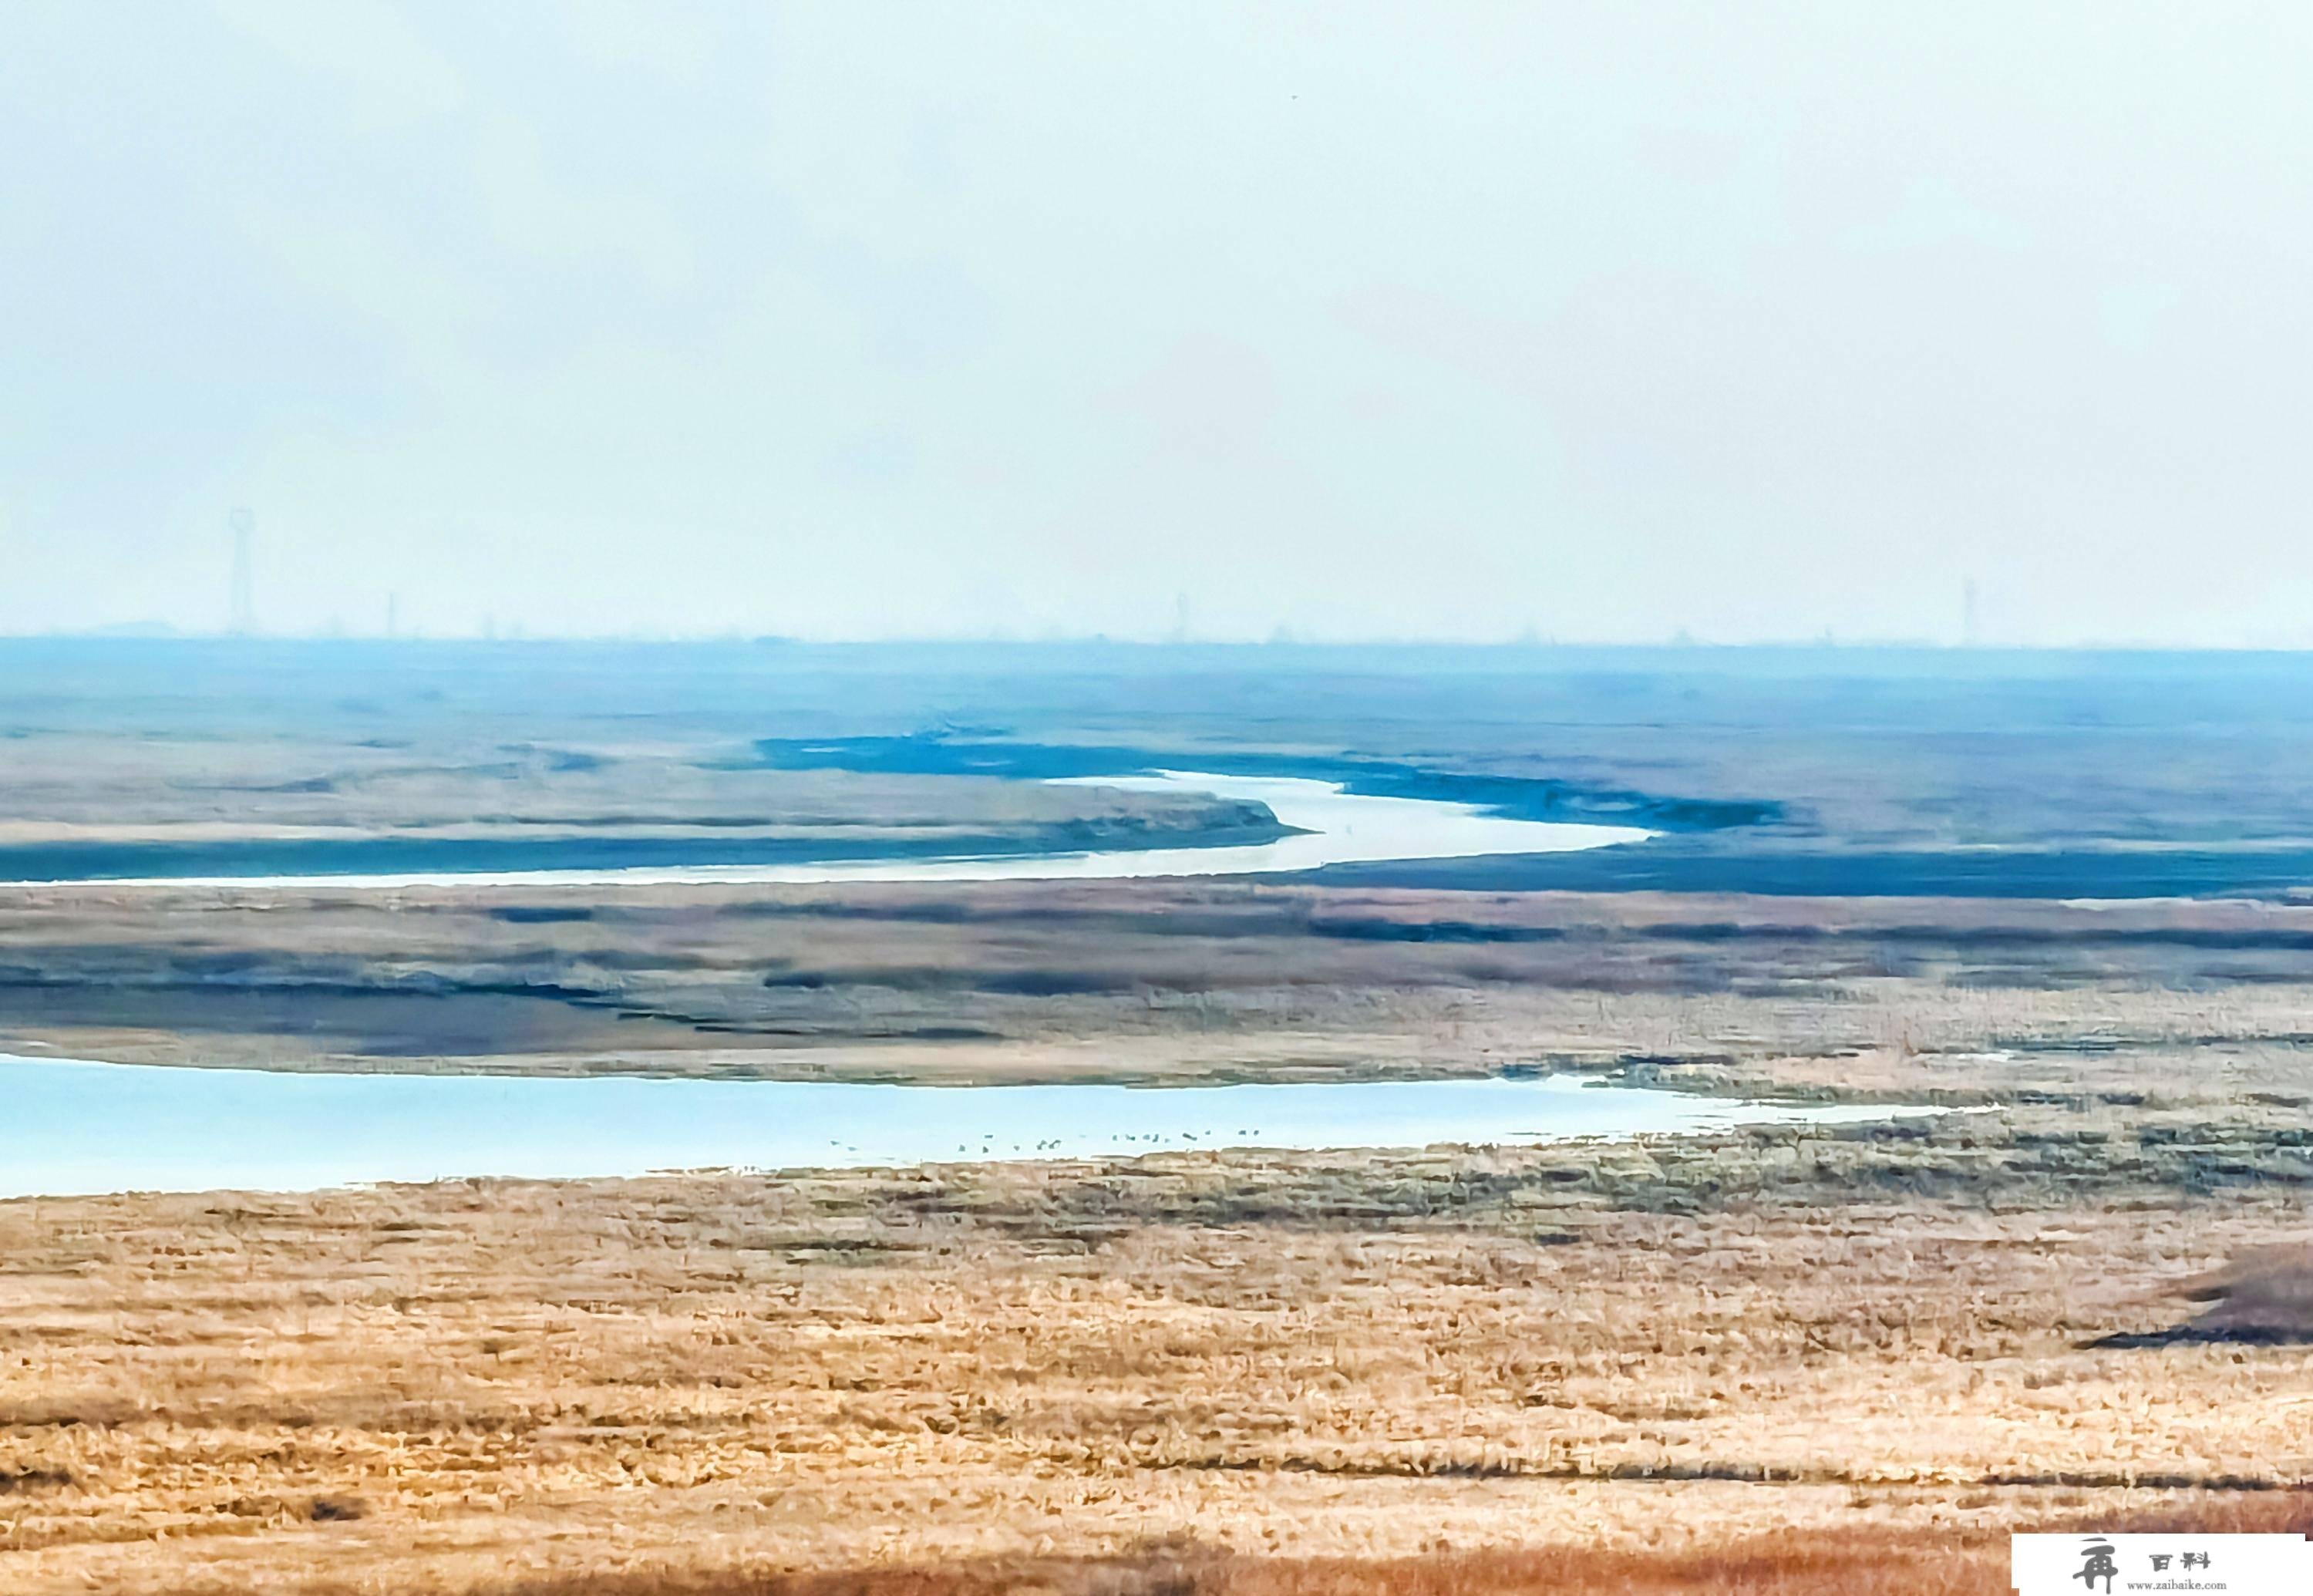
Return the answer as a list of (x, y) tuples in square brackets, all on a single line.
[(1831, 1342)]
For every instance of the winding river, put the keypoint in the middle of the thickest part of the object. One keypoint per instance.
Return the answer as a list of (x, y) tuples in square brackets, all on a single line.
[(1331, 826)]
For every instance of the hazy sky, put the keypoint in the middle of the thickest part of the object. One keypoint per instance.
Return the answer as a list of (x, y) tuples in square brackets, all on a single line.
[(1416, 319)]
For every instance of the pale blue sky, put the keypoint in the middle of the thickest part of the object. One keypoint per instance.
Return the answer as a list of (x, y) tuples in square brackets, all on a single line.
[(862, 320)]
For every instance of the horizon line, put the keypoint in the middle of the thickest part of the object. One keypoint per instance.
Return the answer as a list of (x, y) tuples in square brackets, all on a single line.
[(1677, 643)]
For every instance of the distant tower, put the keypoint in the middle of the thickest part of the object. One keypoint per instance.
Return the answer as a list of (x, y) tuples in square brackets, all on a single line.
[(244, 619), (1971, 631)]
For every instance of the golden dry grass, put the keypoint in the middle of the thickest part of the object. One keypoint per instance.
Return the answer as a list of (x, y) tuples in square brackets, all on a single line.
[(1664, 1353)]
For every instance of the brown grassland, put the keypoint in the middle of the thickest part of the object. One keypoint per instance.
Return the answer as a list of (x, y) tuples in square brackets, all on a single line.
[(1679, 1352)]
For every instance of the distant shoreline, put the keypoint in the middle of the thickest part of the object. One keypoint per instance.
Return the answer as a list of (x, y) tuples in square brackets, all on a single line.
[(320, 859)]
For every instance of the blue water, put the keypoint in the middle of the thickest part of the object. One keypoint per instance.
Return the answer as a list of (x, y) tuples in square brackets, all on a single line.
[(1516, 798), (77, 1127)]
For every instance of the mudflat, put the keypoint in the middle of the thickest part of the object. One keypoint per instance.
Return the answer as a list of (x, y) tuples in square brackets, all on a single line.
[(1168, 981)]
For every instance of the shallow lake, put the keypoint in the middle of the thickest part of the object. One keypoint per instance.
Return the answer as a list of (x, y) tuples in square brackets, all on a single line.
[(77, 1127)]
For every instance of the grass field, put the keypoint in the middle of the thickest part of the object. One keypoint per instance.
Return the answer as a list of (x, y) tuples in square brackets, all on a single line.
[(1672, 1352)]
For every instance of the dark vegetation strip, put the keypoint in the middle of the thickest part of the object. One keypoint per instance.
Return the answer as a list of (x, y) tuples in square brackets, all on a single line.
[(1232, 824), (1254, 917), (1671, 866), (1750, 1474)]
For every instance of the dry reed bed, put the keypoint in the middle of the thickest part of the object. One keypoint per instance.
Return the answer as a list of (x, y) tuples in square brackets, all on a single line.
[(1662, 1350)]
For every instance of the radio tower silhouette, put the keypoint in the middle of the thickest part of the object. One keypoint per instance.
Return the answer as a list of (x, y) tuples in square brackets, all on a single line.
[(243, 620)]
